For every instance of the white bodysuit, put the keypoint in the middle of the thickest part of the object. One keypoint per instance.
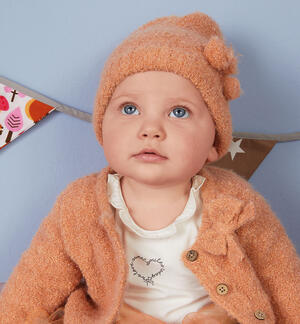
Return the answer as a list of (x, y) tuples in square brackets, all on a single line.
[(158, 282)]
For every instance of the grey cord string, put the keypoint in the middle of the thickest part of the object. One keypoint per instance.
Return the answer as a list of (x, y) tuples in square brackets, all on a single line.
[(88, 117)]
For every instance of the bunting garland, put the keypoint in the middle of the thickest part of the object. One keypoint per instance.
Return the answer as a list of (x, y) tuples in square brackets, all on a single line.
[(22, 108)]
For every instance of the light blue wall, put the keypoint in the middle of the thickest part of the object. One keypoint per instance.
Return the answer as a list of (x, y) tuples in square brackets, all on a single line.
[(58, 48)]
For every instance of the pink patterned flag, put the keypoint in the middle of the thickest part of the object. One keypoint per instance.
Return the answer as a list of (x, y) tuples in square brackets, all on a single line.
[(18, 113)]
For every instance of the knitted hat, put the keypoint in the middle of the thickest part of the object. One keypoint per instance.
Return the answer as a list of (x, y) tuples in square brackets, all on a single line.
[(191, 46)]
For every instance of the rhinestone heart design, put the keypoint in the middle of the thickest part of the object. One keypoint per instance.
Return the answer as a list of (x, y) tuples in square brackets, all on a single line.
[(147, 270)]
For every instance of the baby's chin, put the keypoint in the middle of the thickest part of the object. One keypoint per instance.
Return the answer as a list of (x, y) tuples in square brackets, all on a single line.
[(157, 179)]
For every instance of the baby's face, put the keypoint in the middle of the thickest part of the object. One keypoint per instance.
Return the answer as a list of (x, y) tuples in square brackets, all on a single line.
[(164, 111)]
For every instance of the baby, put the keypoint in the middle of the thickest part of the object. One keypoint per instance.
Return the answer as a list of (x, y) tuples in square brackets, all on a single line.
[(159, 235)]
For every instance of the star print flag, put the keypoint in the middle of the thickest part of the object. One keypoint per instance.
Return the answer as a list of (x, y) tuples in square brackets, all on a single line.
[(245, 155)]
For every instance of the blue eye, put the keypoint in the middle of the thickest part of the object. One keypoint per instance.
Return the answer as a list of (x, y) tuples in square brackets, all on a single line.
[(129, 109), (180, 112)]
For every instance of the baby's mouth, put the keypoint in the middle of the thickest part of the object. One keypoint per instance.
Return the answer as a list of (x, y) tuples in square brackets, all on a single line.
[(148, 156)]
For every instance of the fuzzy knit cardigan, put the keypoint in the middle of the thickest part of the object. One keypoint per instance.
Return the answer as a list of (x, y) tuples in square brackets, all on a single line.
[(242, 256)]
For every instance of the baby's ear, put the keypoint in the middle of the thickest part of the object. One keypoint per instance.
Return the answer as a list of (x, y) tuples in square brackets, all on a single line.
[(212, 154)]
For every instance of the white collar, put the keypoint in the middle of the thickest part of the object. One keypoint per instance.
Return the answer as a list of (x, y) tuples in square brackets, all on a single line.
[(117, 201)]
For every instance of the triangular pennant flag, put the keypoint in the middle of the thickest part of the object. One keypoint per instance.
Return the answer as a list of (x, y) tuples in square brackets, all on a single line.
[(245, 155), (18, 113)]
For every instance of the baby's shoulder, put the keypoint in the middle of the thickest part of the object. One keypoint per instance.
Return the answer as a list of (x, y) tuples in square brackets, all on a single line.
[(78, 190), (229, 183), (78, 204), (225, 179)]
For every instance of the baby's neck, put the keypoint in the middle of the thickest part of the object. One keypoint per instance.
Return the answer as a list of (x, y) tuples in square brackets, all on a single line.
[(153, 209), (146, 195)]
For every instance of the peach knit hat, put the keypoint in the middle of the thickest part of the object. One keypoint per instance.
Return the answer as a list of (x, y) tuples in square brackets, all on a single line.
[(191, 46)]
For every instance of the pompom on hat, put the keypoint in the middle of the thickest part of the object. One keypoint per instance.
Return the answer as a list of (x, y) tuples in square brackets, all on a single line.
[(191, 46)]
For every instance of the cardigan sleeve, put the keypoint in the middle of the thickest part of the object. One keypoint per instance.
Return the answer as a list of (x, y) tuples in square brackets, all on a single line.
[(44, 277), (275, 261)]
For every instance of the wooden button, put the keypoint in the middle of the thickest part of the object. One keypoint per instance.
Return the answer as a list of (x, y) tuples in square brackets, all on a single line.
[(192, 255), (260, 315), (222, 289)]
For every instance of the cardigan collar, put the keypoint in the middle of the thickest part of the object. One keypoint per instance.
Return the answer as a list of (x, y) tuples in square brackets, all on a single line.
[(222, 215)]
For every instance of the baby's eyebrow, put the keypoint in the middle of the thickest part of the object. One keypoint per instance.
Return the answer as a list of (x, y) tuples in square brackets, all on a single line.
[(169, 100), (129, 95)]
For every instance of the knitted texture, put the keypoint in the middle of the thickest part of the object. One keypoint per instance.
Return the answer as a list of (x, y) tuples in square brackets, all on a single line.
[(191, 46), (248, 251)]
